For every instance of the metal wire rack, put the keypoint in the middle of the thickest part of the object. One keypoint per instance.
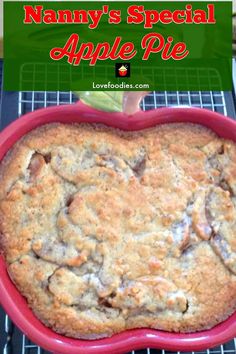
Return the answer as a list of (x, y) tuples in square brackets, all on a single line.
[(61, 76), (213, 100), (29, 101)]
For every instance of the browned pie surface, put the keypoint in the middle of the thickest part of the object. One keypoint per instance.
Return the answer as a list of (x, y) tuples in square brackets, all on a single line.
[(104, 230)]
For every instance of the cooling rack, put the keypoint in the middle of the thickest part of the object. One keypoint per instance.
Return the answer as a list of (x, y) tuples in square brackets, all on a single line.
[(45, 76), (13, 341), (213, 100)]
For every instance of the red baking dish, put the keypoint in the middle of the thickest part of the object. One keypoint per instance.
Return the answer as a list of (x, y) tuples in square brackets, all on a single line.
[(16, 306)]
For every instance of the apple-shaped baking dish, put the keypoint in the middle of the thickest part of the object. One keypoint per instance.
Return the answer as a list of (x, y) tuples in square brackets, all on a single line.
[(15, 304)]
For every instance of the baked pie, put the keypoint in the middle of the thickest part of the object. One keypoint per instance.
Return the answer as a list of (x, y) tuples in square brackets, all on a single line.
[(104, 230)]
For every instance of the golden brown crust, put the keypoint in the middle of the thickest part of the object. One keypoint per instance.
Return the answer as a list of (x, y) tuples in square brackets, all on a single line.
[(105, 230)]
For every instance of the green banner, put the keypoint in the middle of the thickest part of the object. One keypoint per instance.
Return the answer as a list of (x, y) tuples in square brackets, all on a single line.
[(117, 45)]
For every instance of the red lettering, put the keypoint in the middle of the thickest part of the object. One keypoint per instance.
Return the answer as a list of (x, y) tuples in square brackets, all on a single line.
[(105, 9), (188, 14), (134, 14), (80, 16), (148, 42), (104, 49), (152, 17), (179, 51), (50, 16), (114, 16), (87, 51), (33, 14), (166, 16), (65, 16), (127, 51), (165, 55), (211, 13), (68, 50), (178, 16), (114, 55), (155, 43), (95, 17), (199, 16)]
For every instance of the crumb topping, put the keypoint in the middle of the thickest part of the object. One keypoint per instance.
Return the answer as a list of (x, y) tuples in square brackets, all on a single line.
[(105, 230)]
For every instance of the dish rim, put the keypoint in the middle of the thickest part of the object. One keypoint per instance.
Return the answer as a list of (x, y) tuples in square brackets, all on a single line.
[(14, 303)]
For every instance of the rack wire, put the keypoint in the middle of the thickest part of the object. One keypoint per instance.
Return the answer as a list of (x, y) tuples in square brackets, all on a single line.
[(46, 76), (212, 100), (27, 347), (30, 101)]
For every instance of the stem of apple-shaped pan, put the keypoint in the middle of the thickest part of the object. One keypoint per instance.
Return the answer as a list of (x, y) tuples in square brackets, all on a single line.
[(132, 100)]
